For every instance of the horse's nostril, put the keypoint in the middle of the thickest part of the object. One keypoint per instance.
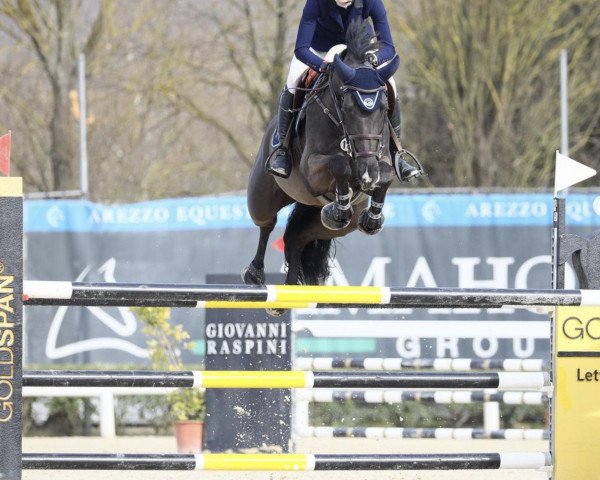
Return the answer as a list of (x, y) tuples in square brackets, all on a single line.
[(368, 187), (369, 182)]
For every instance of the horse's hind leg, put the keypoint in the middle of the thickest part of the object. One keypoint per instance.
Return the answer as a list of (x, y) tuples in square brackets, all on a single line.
[(304, 225), (254, 273), (265, 199), (307, 246)]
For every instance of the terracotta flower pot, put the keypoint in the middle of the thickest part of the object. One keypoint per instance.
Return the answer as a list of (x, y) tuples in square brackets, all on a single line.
[(189, 435)]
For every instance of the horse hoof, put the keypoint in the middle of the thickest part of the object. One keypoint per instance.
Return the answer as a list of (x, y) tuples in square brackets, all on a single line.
[(276, 312), (253, 276), (368, 225), (328, 217)]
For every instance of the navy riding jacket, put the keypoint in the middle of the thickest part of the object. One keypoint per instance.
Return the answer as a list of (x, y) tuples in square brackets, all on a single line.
[(324, 25)]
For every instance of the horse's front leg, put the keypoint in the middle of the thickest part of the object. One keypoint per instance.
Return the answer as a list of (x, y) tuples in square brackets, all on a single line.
[(338, 214), (371, 219)]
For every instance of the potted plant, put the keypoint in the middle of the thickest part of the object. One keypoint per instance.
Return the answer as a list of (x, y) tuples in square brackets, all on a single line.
[(187, 409), (166, 342)]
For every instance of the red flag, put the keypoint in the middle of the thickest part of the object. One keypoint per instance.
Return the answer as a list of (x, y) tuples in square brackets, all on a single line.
[(279, 245), (5, 154)]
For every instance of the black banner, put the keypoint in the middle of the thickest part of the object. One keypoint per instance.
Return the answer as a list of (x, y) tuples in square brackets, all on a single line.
[(246, 340)]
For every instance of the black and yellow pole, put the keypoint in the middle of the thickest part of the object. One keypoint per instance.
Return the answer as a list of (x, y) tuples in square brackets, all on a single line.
[(11, 326)]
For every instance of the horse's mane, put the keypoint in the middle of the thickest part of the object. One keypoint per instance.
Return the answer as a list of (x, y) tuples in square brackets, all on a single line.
[(360, 39)]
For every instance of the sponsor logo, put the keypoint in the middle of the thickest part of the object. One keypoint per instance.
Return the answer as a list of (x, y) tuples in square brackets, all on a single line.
[(55, 216), (431, 211), (507, 209), (581, 211), (122, 323), (596, 205), (264, 338), (576, 329), (7, 341)]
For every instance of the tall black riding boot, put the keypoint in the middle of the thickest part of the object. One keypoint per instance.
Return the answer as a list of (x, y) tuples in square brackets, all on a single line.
[(405, 170), (281, 161)]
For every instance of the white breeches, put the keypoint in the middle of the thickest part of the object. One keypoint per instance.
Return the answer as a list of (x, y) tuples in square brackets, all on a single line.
[(297, 68)]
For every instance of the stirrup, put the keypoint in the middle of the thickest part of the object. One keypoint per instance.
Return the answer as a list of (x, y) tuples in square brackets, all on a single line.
[(415, 173)]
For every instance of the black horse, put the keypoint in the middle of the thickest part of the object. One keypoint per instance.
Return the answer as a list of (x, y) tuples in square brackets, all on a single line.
[(341, 161)]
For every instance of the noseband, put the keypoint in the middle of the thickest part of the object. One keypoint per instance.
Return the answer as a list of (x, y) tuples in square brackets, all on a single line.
[(348, 142)]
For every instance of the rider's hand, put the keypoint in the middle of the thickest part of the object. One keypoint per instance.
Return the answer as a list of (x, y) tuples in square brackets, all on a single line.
[(324, 67), (371, 57)]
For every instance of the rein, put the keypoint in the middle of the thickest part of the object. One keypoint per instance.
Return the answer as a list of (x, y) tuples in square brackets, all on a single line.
[(347, 144)]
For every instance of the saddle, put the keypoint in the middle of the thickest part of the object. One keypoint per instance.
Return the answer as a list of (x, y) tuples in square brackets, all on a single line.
[(307, 80)]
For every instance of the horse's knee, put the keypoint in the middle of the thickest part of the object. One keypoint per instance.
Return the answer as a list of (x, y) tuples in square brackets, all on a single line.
[(266, 224), (386, 174), (263, 220)]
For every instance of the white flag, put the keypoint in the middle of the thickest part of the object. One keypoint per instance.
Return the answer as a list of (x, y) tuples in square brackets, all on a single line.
[(569, 172)]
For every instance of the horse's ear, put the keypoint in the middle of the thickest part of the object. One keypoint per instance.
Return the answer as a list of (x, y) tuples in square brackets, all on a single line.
[(345, 72), (387, 71)]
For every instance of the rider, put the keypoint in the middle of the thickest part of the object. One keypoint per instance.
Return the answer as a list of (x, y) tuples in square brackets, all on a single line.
[(323, 25)]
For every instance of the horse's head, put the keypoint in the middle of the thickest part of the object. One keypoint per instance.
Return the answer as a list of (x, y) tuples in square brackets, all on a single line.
[(361, 96)]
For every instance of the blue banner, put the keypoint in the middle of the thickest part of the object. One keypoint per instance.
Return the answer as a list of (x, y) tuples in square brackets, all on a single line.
[(443, 210)]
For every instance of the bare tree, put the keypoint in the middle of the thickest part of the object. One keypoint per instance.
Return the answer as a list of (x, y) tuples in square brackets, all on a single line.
[(54, 33), (242, 53), (179, 91), (493, 69)]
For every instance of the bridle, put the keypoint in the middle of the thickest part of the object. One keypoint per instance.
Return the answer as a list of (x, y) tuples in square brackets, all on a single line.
[(348, 141)]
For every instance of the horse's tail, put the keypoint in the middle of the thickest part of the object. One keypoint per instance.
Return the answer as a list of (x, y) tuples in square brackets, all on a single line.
[(315, 262), (316, 253)]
